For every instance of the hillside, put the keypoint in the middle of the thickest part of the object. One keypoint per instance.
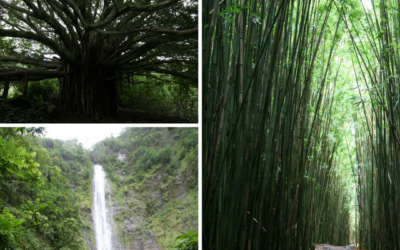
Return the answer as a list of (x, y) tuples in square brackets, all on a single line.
[(39, 204), (153, 174), (46, 195)]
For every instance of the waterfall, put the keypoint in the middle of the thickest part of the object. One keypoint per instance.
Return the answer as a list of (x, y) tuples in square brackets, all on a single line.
[(101, 215)]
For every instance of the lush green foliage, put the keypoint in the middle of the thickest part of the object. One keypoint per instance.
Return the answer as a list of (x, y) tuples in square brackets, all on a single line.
[(126, 44), (170, 96), (40, 91), (188, 240), (46, 187), (10, 228), (39, 209)]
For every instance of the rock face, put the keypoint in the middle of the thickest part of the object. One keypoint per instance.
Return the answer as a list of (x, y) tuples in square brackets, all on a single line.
[(121, 156), (152, 173), (87, 230), (135, 236), (132, 228)]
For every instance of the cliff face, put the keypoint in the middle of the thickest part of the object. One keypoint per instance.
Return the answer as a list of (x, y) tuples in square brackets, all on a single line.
[(152, 174), (152, 191)]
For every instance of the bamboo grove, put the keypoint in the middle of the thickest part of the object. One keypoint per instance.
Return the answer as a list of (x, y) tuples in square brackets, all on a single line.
[(376, 124), (278, 78), (268, 158)]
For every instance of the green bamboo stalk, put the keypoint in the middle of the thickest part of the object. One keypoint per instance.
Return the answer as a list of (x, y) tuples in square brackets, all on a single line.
[(268, 166)]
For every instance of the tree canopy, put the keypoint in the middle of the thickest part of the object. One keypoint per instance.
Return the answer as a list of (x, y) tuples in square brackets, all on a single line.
[(37, 206), (91, 44)]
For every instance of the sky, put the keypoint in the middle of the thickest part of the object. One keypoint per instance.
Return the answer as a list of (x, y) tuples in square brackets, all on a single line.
[(87, 134), (367, 4)]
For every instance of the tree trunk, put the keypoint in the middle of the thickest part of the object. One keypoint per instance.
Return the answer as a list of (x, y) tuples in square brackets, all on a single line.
[(6, 87), (25, 85), (86, 90)]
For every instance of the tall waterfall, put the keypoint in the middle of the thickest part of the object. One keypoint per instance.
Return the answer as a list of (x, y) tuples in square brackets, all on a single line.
[(101, 215)]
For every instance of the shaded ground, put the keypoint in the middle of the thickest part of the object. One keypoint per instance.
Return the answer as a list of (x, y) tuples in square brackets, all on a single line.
[(20, 110), (330, 247)]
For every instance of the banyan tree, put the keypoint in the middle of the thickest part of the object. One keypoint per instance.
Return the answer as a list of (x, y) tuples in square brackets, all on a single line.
[(90, 45)]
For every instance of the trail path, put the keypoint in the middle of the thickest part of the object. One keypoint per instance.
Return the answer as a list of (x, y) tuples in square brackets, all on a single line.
[(330, 247)]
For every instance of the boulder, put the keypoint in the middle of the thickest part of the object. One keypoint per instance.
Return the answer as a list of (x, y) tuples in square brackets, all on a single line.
[(53, 110)]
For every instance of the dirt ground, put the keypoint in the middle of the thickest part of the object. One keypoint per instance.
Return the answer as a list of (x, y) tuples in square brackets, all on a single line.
[(330, 247), (21, 112)]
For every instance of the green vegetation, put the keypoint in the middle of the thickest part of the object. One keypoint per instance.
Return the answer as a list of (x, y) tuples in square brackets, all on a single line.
[(155, 187), (46, 188), (102, 53), (376, 123), (188, 240), (39, 209), (168, 96), (300, 124)]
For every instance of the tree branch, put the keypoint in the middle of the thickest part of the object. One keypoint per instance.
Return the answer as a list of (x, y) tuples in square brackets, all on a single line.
[(73, 18), (31, 61), (46, 41), (76, 10), (40, 14), (12, 6), (148, 8), (18, 74), (133, 54), (31, 72), (174, 73), (161, 31), (142, 8), (65, 18), (143, 64)]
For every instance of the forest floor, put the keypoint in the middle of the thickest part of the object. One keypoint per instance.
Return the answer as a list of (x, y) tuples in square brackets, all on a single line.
[(20, 112), (330, 247)]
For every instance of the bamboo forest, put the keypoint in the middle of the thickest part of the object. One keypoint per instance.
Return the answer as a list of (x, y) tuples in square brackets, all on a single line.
[(301, 145)]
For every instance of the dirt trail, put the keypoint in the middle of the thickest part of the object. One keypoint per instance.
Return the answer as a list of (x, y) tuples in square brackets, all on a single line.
[(330, 247)]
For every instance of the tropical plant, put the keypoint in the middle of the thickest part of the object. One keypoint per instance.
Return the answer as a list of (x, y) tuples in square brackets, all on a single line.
[(188, 240)]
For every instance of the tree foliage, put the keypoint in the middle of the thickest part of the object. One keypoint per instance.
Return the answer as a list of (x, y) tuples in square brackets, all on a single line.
[(95, 44), (37, 203), (188, 240)]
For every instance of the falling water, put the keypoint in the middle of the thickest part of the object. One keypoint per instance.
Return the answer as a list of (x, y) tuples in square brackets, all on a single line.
[(101, 215)]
